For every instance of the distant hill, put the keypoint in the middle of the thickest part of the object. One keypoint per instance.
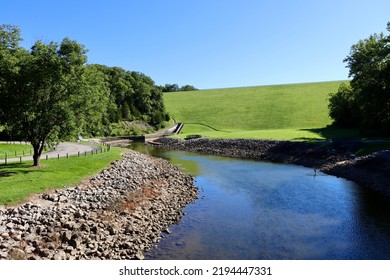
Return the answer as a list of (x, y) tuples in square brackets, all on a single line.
[(291, 111)]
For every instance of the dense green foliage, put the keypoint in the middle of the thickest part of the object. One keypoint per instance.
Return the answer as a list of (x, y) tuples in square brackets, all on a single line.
[(175, 88), (365, 103), (48, 93), (295, 111), (41, 91), (133, 95)]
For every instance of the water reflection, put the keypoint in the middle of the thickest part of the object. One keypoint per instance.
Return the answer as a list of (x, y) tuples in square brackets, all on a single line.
[(257, 210)]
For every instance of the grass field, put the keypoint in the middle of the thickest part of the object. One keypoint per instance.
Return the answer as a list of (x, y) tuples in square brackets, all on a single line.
[(293, 111), (20, 180), (14, 150)]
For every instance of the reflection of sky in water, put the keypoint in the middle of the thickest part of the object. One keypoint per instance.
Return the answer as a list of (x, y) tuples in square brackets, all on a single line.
[(256, 210)]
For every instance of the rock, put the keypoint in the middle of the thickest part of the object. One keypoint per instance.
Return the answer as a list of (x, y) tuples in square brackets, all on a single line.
[(59, 255), (3, 255), (42, 252), (10, 225), (75, 241), (29, 249), (16, 254), (66, 236), (139, 256)]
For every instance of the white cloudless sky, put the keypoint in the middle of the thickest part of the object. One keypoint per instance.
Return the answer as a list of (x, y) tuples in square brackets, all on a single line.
[(208, 43)]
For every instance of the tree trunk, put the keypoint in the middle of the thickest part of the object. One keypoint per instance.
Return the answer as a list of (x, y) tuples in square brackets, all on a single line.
[(36, 159), (37, 154)]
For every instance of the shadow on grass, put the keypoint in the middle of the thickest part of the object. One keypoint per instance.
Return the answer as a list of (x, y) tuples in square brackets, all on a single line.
[(329, 133), (7, 170)]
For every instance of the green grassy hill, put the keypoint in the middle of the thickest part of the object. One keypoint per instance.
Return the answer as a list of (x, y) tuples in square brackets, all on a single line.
[(293, 111)]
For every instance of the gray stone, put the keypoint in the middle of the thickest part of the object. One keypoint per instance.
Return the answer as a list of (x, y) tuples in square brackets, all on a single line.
[(140, 256), (60, 255), (3, 255), (44, 253), (66, 236), (29, 249), (16, 254)]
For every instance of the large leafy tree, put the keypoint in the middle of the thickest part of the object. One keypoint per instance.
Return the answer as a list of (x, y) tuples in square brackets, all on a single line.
[(366, 103), (40, 89), (48, 94)]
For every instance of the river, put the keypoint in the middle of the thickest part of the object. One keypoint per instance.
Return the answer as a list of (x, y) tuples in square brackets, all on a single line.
[(257, 210)]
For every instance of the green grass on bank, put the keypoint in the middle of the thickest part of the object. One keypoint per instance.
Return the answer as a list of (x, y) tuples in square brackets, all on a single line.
[(20, 180), (291, 112), (14, 150)]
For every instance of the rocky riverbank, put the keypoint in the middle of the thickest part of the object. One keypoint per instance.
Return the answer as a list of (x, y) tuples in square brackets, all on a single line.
[(372, 171), (117, 214), (301, 153)]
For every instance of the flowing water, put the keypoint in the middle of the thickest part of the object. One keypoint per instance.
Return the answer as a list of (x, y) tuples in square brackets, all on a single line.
[(256, 210)]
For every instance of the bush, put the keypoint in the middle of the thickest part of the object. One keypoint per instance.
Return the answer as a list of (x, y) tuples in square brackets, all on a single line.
[(343, 108)]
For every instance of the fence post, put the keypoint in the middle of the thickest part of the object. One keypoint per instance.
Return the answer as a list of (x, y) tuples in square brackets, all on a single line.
[(67, 155), (58, 156), (5, 160), (78, 153), (20, 159), (47, 157)]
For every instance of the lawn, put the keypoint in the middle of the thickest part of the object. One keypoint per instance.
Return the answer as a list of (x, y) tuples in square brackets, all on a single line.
[(293, 111), (20, 180), (14, 150)]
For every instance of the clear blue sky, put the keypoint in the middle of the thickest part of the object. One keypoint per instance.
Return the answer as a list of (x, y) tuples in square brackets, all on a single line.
[(208, 43)]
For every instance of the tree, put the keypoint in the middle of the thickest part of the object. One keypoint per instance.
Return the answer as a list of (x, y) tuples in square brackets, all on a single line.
[(343, 107), (10, 53), (175, 88), (48, 94), (369, 93), (133, 94), (91, 103), (170, 88), (40, 89), (188, 88), (125, 111)]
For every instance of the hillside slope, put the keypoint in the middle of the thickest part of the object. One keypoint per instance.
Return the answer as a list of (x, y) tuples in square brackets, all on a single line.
[(293, 111)]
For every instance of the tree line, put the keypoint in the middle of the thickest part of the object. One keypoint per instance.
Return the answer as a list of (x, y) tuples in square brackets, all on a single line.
[(176, 88), (364, 102), (49, 93)]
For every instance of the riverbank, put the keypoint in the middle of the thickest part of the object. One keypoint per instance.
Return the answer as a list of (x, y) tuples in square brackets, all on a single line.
[(117, 214), (372, 171)]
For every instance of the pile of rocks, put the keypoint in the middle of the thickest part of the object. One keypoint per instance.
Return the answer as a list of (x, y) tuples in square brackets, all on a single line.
[(117, 214), (371, 170), (292, 152)]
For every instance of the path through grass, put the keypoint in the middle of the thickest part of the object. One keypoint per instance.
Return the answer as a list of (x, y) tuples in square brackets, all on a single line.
[(20, 180)]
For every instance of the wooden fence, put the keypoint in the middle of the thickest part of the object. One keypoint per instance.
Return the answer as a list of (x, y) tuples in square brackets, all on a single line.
[(22, 158)]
